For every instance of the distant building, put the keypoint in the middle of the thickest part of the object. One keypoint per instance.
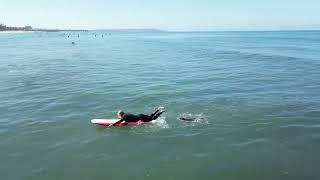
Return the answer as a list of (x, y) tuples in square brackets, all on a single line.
[(3, 27), (28, 28), (7, 28)]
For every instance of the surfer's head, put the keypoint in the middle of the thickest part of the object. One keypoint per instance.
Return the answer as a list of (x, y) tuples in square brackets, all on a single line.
[(120, 114)]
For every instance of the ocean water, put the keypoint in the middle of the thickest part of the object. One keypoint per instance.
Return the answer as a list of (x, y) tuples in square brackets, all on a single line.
[(255, 97)]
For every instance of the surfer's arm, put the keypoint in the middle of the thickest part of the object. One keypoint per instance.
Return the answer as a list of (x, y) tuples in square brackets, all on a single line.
[(117, 122)]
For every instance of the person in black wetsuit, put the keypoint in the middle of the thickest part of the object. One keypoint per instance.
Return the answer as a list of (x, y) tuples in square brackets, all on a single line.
[(127, 117)]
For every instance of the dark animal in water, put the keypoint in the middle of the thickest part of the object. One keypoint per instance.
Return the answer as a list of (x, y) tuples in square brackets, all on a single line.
[(187, 119), (191, 119)]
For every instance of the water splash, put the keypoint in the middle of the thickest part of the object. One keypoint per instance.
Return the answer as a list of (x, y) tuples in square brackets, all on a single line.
[(160, 123), (151, 127)]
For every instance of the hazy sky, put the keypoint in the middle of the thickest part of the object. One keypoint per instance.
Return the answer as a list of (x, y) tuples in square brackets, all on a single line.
[(186, 15)]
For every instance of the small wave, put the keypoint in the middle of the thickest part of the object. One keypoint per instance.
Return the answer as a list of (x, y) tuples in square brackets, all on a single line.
[(249, 142), (312, 114)]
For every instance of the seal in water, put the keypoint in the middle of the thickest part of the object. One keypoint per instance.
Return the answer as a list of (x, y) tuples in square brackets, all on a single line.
[(191, 118)]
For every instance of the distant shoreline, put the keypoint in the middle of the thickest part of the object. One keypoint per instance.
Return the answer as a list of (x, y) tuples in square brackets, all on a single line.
[(75, 30), (44, 30), (31, 29)]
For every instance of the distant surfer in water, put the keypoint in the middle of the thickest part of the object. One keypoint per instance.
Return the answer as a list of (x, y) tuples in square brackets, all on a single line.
[(127, 117)]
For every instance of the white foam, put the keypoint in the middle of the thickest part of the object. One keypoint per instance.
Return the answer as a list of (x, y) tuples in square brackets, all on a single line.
[(160, 122)]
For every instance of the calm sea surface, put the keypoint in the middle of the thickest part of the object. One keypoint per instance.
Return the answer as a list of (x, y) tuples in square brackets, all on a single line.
[(255, 97)]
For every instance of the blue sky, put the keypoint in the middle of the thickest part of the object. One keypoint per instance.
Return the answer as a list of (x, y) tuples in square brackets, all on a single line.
[(178, 15)]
